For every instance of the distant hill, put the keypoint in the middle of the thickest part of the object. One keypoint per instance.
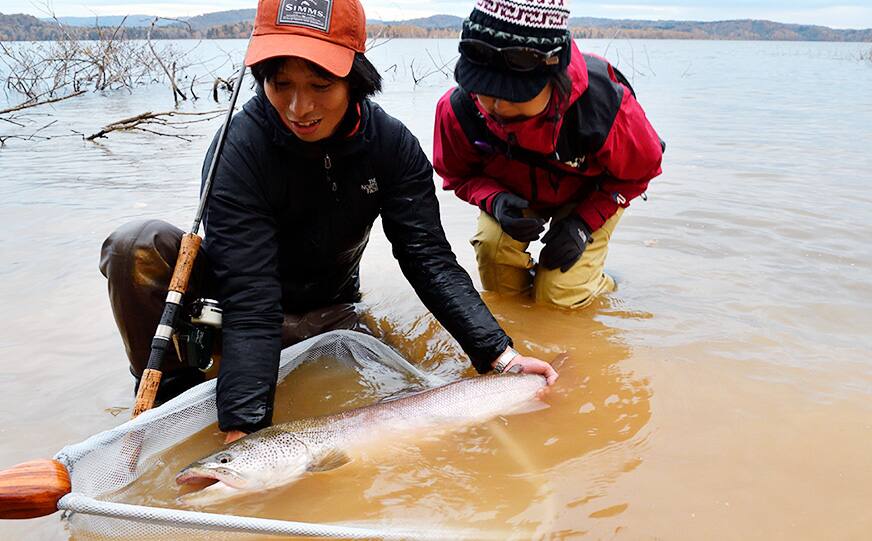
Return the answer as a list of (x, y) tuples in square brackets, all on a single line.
[(21, 27), (237, 24), (439, 22), (114, 20), (222, 17), (745, 29)]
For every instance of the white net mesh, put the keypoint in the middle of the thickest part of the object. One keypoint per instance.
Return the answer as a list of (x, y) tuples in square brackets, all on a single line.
[(103, 465)]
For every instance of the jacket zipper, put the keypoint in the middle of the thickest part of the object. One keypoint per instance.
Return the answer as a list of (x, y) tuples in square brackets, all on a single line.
[(328, 164)]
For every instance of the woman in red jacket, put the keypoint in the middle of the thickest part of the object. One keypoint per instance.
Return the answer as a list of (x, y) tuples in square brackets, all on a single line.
[(538, 133)]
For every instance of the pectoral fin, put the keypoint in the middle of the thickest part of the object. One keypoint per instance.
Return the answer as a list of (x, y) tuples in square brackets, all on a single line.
[(330, 461)]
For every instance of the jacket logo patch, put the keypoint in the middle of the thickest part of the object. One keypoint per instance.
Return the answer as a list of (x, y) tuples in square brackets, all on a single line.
[(309, 13), (370, 187)]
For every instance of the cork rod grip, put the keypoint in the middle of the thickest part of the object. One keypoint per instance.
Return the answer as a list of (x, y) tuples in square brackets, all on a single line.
[(148, 386), (185, 262)]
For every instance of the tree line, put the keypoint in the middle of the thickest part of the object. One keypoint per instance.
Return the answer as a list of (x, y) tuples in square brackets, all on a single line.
[(29, 28)]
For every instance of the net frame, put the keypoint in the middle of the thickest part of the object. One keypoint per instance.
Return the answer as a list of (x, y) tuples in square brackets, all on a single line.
[(102, 466)]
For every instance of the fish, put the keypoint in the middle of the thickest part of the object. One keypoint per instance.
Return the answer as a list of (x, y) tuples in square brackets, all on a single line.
[(279, 455)]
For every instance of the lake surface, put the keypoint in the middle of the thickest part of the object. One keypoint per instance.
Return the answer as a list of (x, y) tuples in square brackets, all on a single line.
[(724, 391)]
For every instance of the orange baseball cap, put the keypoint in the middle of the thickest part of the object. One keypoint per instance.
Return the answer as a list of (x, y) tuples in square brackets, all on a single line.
[(326, 32)]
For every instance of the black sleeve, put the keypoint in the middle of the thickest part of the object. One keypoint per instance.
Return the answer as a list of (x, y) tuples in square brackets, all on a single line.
[(242, 245), (410, 215)]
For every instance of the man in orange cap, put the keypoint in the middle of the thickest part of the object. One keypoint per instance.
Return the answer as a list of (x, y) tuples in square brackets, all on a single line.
[(308, 165)]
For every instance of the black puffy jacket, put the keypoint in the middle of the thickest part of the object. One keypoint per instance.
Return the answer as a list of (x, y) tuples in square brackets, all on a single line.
[(286, 227)]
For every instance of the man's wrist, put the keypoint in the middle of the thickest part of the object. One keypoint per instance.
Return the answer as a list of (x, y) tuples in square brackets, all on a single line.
[(506, 357)]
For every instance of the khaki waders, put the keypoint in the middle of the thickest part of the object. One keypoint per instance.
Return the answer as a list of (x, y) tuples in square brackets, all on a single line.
[(506, 267)]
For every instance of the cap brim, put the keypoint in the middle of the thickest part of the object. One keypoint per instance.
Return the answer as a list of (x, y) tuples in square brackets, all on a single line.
[(505, 85), (332, 57)]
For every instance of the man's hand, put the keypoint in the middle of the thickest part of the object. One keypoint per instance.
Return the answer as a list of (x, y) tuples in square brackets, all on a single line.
[(565, 241), (532, 365), (234, 435), (508, 211)]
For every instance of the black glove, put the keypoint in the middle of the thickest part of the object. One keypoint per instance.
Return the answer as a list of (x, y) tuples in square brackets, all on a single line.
[(507, 209), (565, 241)]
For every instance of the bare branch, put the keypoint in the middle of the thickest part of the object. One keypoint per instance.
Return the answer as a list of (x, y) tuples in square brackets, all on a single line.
[(226, 84), (376, 40), (28, 104), (176, 92), (418, 77), (138, 122), (9, 120)]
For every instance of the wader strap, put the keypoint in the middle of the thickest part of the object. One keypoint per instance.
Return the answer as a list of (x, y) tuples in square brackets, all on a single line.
[(475, 129)]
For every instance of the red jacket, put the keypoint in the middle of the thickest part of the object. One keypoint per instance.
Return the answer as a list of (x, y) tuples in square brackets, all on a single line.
[(623, 165)]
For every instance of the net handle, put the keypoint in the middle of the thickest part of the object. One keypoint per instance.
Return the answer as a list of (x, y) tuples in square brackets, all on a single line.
[(32, 489)]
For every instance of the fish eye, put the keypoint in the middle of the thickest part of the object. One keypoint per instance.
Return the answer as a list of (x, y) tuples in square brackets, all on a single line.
[(223, 458)]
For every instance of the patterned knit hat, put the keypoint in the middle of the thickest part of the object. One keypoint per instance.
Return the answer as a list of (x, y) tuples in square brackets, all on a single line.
[(537, 24)]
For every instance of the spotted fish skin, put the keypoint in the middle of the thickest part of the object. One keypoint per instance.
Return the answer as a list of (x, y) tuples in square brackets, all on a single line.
[(280, 454)]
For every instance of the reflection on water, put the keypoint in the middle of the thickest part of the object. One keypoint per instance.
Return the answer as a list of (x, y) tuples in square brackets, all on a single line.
[(721, 392)]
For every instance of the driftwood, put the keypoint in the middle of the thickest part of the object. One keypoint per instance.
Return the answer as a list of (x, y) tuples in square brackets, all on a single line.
[(68, 64), (50, 72), (153, 122), (30, 103)]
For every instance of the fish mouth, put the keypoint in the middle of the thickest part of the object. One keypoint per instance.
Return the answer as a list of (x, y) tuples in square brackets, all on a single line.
[(195, 481), (198, 478), (203, 486)]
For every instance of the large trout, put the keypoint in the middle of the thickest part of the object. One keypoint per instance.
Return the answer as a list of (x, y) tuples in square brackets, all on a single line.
[(280, 454)]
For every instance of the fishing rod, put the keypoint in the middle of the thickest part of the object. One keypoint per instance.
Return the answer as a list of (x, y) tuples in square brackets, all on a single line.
[(33, 489), (150, 380)]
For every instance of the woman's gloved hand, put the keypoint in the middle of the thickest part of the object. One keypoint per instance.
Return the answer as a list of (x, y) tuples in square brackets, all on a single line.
[(508, 211), (565, 241)]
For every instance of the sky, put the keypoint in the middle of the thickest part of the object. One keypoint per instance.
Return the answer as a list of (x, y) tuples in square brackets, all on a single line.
[(845, 14)]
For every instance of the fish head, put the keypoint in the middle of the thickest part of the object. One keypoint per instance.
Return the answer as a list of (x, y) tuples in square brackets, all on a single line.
[(227, 466), (256, 462)]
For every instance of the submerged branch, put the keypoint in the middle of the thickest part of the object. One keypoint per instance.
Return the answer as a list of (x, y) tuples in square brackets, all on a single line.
[(33, 136), (171, 76), (30, 103), (139, 123)]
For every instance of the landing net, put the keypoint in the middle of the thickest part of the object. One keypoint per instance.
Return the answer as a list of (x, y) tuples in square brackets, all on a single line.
[(103, 466)]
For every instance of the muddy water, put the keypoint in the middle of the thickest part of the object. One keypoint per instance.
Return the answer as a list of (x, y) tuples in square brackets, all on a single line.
[(723, 392)]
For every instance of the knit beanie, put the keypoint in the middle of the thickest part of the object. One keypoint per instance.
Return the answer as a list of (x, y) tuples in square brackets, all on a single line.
[(537, 24)]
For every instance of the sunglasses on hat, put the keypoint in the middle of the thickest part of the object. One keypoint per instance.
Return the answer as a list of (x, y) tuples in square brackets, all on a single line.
[(514, 58)]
